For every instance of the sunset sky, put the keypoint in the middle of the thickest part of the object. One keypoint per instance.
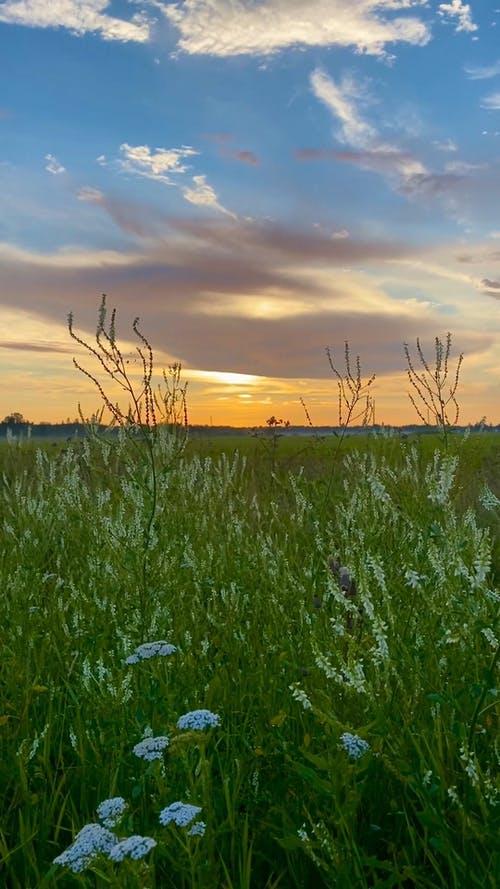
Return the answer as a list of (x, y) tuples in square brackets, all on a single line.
[(257, 180)]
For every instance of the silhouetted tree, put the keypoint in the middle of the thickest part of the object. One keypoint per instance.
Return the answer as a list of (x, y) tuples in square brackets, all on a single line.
[(15, 419)]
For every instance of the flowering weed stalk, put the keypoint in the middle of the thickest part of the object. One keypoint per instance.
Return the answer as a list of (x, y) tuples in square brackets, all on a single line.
[(139, 424)]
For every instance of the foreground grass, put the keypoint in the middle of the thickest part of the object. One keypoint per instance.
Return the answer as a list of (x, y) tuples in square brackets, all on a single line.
[(229, 559)]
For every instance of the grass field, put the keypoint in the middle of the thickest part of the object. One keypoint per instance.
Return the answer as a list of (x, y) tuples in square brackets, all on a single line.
[(333, 614)]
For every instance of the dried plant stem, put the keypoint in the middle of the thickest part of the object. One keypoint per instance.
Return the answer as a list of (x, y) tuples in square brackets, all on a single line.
[(140, 422), (434, 391), (355, 403)]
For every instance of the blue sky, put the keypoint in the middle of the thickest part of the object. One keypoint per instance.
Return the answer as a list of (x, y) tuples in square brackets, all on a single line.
[(257, 179)]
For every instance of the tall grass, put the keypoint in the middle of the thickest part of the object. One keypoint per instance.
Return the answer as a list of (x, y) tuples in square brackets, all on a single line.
[(299, 670)]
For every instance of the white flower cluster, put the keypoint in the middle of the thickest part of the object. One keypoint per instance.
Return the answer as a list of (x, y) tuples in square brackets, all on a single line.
[(354, 745), (298, 694), (488, 499), (111, 810), (92, 840), (179, 813), (198, 829), (132, 847), (148, 650), (198, 720), (151, 748)]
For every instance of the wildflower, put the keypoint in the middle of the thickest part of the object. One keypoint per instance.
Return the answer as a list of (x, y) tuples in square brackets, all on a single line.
[(151, 748), (354, 745), (198, 720), (488, 499), (179, 813), (490, 637), (151, 649), (111, 810), (298, 694), (89, 842), (414, 580), (198, 829), (132, 847)]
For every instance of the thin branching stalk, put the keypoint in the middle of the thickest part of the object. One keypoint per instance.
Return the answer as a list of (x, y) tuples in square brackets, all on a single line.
[(171, 401), (434, 390), (356, 406), (140, 421)]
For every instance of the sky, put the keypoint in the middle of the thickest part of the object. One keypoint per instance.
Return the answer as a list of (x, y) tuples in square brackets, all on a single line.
[(257, 180)]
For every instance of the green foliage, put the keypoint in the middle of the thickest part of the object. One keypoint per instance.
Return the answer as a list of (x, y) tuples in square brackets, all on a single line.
[(288, 653)]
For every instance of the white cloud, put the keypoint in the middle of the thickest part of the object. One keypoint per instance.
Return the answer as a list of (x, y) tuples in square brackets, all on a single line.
[(90, 195), (458, 10), (483, 73), (238, 27), (159, 164), (67, 258), (462, 167), (447, 145), (203, 195), (78, 16), (491, 102), (372, 153), (340, 100), (404, 172), (53, 166), (162, 165)]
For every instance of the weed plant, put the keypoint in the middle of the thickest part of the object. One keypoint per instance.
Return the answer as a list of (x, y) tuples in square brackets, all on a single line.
[(433, 391)]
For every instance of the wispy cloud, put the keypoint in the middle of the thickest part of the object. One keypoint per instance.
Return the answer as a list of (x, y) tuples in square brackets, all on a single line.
[(491, 287), (315, 154), (482, 72), (448, 145), (387, 160), (367, 150), (203, 195), (246, 157), (131, 218), (53, 165), (430, 184), (78, 16), (491, 102), (341, 99), (239, 27), (70, 259), (459, 13), (16, 346), (404, 172)]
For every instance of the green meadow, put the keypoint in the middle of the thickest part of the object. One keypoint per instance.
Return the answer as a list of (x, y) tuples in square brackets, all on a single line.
[(333, 612)]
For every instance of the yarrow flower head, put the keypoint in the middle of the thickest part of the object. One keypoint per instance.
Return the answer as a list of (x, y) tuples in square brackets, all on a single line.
[(198, 829), (151, 748), (179, 813), (151, 649), (354, 745), (92, 840), (111, 810), (132, 847), (198, 720)]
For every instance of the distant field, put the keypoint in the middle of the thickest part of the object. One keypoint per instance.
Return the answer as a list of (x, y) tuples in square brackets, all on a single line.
[(332, 609)]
